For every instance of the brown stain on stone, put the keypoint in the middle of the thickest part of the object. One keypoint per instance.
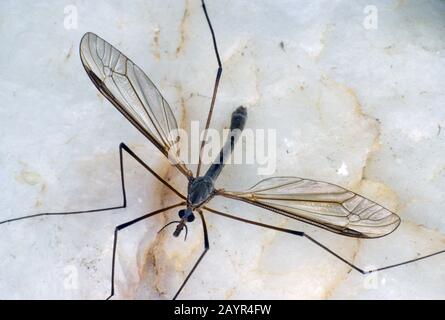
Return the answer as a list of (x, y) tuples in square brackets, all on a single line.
[(149, 265), (357, 106), (154, 255), (229, 293), (151, 268), (28, 177), (156, 250), (33, 179), (431, 234), (183, 29), (184, 114)]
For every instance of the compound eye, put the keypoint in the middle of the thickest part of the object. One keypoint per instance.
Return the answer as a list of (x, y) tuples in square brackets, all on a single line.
[(190, 218), (181, 213)]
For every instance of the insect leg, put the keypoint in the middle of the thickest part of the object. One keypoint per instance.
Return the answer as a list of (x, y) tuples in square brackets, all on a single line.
[(268, 226), (371, 270), (125, 225), (302, 234), (215, 87), (122, 147), (142, 163), (206, 248)]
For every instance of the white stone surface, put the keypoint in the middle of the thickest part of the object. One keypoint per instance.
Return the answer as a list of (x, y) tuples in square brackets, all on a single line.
[(360, 108)]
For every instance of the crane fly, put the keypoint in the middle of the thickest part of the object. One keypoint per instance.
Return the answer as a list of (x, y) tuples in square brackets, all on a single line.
[(318, 203)]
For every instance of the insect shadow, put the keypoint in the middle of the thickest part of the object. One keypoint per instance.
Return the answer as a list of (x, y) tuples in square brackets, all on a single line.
[(318, 203)]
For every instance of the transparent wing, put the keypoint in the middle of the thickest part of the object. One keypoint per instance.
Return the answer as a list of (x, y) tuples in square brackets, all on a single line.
[(321, 204), (129, 89)]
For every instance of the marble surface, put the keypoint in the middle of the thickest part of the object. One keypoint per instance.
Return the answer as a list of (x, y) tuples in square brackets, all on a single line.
[(356, 106)]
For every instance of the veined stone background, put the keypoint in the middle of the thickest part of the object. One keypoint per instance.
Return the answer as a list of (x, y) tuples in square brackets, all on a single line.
[(354, 92)]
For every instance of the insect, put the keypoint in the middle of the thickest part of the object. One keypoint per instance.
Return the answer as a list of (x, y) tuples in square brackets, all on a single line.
[(322, 204)]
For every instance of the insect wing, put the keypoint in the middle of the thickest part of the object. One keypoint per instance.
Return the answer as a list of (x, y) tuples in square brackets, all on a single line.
[(322, 204), (130, 90)]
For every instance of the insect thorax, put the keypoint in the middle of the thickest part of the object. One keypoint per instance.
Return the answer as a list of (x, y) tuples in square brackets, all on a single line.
[(199, 190)]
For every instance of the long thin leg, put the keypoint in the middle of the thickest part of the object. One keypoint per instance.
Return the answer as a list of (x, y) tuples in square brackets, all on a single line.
[(371, 270), (125, 225), (146, 166), (302, 234), (206, 248), (122, 147), (215, 87)]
